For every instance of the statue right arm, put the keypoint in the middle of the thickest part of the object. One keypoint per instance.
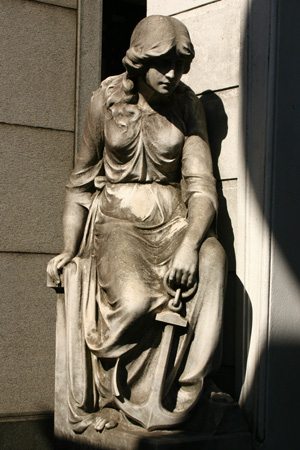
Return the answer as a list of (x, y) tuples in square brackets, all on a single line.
[(74, 220), (81, 186)]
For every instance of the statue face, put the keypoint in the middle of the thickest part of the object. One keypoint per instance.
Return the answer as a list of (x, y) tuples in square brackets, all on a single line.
[(164, 74)]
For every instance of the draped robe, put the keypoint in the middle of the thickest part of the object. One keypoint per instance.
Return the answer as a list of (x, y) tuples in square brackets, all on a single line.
[(135, 172)]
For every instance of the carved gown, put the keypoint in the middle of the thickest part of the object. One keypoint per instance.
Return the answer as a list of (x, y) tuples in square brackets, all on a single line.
[(135, 172)]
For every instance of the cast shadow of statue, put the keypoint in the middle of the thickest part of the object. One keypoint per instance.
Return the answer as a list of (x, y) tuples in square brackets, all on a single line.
[(237, 304)]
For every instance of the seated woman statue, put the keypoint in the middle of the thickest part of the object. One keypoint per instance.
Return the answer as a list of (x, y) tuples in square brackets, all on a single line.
[(139, 226)]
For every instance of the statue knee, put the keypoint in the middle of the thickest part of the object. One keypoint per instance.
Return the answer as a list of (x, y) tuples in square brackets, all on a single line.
[(213, 257), (134, 304)]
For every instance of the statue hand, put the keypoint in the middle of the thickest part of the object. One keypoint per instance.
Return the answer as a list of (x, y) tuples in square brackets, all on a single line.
[(183, 266), (57, 263)]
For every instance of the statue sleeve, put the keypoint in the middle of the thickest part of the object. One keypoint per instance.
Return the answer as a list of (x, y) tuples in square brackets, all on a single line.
[(197, 168), (88, 161)]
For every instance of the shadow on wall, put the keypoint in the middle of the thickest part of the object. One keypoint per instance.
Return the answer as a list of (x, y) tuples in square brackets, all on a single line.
[(36, 434), (236, 300), (271, 108), (274, 112)]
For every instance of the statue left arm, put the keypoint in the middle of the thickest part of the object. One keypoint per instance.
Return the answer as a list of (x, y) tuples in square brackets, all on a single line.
[(200, 196)]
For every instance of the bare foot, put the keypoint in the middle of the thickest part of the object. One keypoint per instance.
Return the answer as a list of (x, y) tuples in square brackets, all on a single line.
[(108, 418)]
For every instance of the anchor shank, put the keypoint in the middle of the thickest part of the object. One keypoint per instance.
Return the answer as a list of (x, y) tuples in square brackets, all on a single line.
[(151, 414), (162, 363)]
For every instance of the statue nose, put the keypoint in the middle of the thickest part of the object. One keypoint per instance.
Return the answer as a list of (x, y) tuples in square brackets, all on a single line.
[(170, 74)]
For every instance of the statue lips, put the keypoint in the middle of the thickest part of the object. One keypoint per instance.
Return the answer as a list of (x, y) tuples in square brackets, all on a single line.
[(167, 86)]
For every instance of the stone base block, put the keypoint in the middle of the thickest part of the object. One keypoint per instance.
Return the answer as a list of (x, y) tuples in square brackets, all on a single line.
[(119, 440)]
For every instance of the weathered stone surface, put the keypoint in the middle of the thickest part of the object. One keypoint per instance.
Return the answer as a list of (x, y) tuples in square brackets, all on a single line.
[(36, 165), (167, 7), (215, 33), (222, 111), (228, 357), (230, 147), (116, 440), (27, 312), (89, 67), (27, 432), (64, 3), (38, 65), (227, 223)]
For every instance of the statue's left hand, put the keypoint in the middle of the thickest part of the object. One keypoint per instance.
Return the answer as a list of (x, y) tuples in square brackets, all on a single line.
[(183, 266), (56, 264)]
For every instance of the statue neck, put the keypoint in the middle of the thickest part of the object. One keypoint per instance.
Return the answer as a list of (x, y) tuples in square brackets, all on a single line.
[(148, 96)]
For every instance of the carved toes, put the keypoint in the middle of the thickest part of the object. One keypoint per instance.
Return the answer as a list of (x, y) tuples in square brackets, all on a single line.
[(107, 418)]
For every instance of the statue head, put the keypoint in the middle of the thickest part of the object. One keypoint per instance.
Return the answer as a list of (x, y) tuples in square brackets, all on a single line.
[(154, 37)]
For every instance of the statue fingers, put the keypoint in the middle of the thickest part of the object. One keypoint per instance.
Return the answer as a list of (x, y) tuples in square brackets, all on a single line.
[(63, 262), (52, 269), (55, 274), (172, 274), (184, 278), (178, 276), (190, 280), (188, 277)]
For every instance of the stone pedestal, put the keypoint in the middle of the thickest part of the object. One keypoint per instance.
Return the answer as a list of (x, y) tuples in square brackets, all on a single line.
[(118, 440)]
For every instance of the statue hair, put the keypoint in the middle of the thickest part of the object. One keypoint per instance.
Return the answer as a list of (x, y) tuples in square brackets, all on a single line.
[(152, 38)]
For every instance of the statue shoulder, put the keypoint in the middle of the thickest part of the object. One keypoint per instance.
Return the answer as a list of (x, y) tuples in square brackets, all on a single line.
[(112, 89), (188, 102), (100, 97), (186, 94)]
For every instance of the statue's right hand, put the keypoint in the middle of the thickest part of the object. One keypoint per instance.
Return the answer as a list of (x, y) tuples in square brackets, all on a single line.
[(56, 264)]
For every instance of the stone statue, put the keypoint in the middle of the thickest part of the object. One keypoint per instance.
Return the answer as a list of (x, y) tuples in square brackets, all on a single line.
[(144, 273)]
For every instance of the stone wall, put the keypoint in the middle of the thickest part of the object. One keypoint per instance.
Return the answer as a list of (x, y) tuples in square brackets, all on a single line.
[(48, 69), (37, 121)]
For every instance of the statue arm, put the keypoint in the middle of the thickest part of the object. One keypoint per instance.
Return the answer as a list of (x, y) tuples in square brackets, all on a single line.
[(199, 191), (201, 205), (80, 189)]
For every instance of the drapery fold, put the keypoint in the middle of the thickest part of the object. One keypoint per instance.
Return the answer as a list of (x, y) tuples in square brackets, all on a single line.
[(136, 172), (91, 311)]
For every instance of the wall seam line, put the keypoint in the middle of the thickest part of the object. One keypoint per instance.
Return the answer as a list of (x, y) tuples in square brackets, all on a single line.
[(36, 127), (72, 8), (194, 7)]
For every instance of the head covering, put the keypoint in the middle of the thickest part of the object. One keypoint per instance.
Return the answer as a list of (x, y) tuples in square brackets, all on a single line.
[(155, 36)]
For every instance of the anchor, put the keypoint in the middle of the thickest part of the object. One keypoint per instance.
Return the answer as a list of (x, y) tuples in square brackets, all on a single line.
[(151, 414)]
